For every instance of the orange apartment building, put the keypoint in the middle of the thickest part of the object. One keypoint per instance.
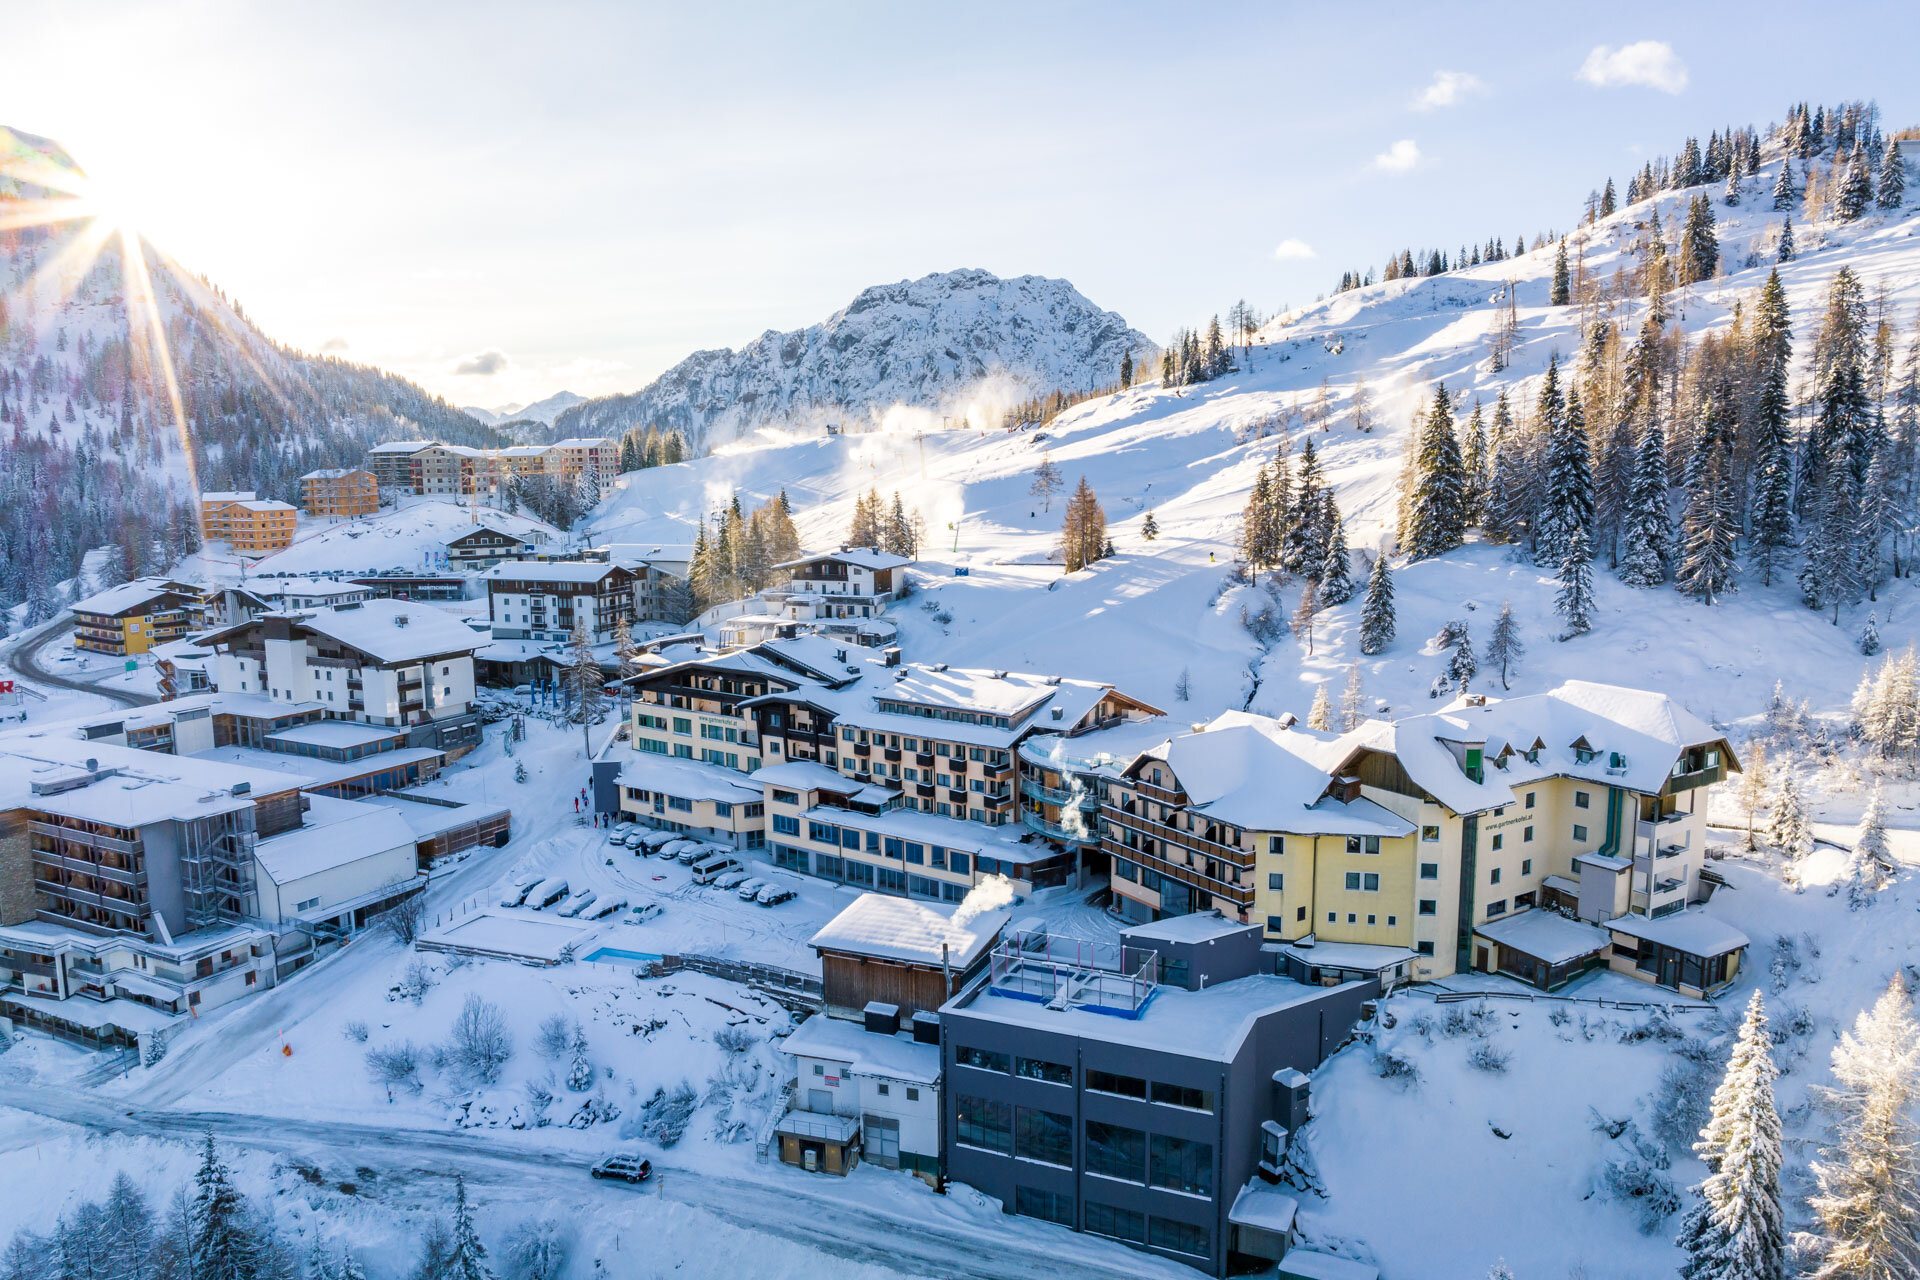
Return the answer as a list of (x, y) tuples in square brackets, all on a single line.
[(248, 524), (340, 493)]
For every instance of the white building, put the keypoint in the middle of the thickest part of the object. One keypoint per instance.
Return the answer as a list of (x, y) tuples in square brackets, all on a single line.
[(850, 583), (881, 1079)]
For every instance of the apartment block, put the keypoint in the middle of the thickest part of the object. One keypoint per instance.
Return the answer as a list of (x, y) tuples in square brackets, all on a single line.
[(395, 465), (1138, 1089), (547, 600), (135, 617), (247, 523), (431, 467), (340, 493)]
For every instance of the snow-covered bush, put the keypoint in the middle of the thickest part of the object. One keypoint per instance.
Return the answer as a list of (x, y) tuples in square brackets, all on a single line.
[(415, 981), (1659, 1027), (1681, 1105), (1395, 1067), (355, 1031), (479, 1043), (1265, 626), (1489, 1057), (664, 1116), (1451, 632), (537, 1249), (735, 1039), (405, 919), (540, 1097), (1635, 1175), (397, 1063), (556, 1034)]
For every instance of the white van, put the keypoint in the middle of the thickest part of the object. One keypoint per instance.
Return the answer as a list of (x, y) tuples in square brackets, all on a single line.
[(713, 866)]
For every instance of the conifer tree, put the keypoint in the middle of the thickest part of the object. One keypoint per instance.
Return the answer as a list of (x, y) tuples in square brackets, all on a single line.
[(1737, 1230), (1437, 519), (1376, 610), (1304, 538), (583, 681), (1126, 370), (1149, 528), (1462, 664), (1830, 575), (1568, 503), (1510, 491), (1647, 550), (468, 1257), (1505, 647), (1609, 202), (1856, 187), (1783, 189), (1870, 862), (1083, 531), (222, 1248), (1699, 243), (1785, 253), (1708, 526), (1320, 714), (1336, 572), (1787, 829), (1352, 700), (1869, 642), (1478, 467), (1260, 528), (1574, 600), (1868, 1203), (1893, 178), (1772, 447), (127, 1230), (1562, 289)]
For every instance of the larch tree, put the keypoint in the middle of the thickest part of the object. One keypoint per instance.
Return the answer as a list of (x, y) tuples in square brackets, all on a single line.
[(1047, 481), (1083, 531), (1505, 647), (1352, 700), (1320, 714), (584, 684)]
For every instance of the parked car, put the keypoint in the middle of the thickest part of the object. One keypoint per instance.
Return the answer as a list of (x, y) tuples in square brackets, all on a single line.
[(630, 1168), (578, 903), (732, 880), (773, 895), (547, 892), (713, 866), (750, 889), (691, 854)]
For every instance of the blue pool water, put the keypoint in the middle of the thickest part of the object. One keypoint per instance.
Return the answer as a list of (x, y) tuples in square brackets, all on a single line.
[(614, 955)]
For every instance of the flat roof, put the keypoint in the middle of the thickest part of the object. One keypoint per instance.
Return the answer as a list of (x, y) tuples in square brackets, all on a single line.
[(868, 1053), (1545, 935), (1198, 926), (333, 833), (428, 818), (310, 773), (336, 733)]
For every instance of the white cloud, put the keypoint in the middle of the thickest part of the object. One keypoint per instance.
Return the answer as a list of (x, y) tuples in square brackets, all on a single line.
[(334, 344), (1401, 157), (1291, 248), (1651, 63), (484, 365), (1449, 89)]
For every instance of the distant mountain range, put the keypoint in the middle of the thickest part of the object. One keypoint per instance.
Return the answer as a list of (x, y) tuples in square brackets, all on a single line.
[(946, 343), (544, 411)]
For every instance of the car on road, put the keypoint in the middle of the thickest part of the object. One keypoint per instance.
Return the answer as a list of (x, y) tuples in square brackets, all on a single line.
[(773, 895), (628, 1167), (751, 888)]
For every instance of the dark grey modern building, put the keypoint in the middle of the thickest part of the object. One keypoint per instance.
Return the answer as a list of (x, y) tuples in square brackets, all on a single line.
[(1133, 1089)]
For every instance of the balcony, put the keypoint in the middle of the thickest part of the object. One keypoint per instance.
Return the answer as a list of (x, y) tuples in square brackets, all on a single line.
[(1240, 895), (1035, 821), (924, 760), (87, 898), (1171, 835), (104, 871), (91, 839), (1082, 799), (891, 755)]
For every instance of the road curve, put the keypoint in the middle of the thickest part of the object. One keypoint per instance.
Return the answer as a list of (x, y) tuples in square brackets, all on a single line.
[(25, 661)]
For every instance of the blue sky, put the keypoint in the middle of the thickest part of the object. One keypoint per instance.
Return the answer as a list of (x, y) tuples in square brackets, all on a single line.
[(595, 190)]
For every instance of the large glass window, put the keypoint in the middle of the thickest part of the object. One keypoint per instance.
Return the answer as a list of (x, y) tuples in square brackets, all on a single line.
[(1041, 1069), (1181, 1237), (984, 1059), (1114, 1151), (1121, 1224), (1046, 1136), (983, 1122), (1181, 1164), (1179, 1095), (1049, 1206), (1125, 1086)]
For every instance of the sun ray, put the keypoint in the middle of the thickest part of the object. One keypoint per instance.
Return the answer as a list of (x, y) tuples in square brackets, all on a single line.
[(216, 311), (151, 343), (63, 271)]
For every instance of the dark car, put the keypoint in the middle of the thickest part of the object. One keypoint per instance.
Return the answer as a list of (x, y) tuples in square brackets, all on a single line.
[(631, 1168)]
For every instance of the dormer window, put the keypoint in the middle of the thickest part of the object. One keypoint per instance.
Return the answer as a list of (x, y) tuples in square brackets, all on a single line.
[(1583, 755)]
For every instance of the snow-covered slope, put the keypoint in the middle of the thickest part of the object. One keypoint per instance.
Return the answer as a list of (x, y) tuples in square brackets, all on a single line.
[(1190, 455), (957, 344), (542, 411)]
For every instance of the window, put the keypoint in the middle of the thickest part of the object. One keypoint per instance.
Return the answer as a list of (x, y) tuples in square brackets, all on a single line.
[(1040, 1069), (1429, 871), (1498, 907), (1114, 1151), (983, 1059), (1368, 844), (1429, 907), (681, 724), (913, 1094), (1526, 835), (1493, 877), (785, 824), (1180, 1237), (1276, 881), (1353, 917), (1276, 924), (785, 797), (1526, 866), (1430, 834), (1332, 918), (1121, 1224), (1181, 1164), (1393, 922), (1579, 833), (1300, 914), (722, 809), (819, 1069), (1498, 841), (1125, 1086), (1276, 844), (1048, 1206), (884, 1090), (1363, 881), (1530, 798), (1179, 1095), (1046, 1136), (1372, 920), (308, 905), (1581, 800), (984, 1123), (680, 803)]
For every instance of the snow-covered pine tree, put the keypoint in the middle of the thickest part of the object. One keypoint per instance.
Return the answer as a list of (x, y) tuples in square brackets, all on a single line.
[(1771, 505), (1463, 665), (1830, 576), (467, 1259), (1647, 544), (1869, 641), (1709, 526), (1149, 528), (1574, 600), (1513, 489), (1868, 1203), (1787, 829), (1376, 610), (1259, 531), (1870, 862), (1737, 1230), (1505, 647), (1783, 189), (1304, 541), (1437, 516), (1609, 200), (222, 1247), (584, 683), (1336, 571), (1320, 714), (1478, 466), (1561, 292), (127, 1230), (1352, 700), (1856, 187), (1568, 503), (1699, 242), (1892, 192)]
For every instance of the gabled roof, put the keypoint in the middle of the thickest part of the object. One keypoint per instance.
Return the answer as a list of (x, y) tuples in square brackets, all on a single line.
[(130, 597), (555, 571), (884, 927), (386, 630), (408, 447), (861, 557)]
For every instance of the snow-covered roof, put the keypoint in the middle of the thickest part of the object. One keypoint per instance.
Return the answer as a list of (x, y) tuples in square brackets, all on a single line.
[(804, 775), (394, 630), (687, 779), (228, 495), (148, 786), (332, 834), (553, 571), (866, 1053), (1546, 935), (1694, 932), (311, 772), (1264, 1208), (861, 557), (1648, 731), (125, 1015), (581, 442), (1306, 1264), (335, 473), (1000, 693), (1196, 926), (949, 833), (1357, 957), (129, 596), (889, 928), (408, 447), (428, 818), (336, 733)]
